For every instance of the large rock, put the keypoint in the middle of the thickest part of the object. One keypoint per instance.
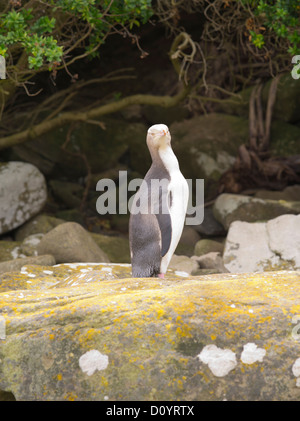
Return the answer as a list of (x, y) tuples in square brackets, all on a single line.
[(80, 332), (115, 247), (23, 194), (257, 247), (183, 264), (212, 260), (210, 227), (10, 250), (40, 224), (233, 207), (286, 107), (207, 246), (290, 194), (102, 147), (188, 239), (70, 242), (207, 145), (17, 264)]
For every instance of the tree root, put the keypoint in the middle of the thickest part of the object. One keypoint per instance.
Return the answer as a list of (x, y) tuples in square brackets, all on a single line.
[(254, 167)]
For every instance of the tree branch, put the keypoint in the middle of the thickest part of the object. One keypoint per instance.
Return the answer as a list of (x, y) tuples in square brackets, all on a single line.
[(69, 117)]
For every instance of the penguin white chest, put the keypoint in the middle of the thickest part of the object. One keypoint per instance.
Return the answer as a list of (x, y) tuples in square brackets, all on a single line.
[(178, 200)]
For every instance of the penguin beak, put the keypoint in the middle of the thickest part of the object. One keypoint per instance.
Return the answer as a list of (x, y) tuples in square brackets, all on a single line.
[(160, 133)]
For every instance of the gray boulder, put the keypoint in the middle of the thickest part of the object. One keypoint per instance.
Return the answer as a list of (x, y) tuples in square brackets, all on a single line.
[(210, 227), (233, 207), (23, 193), (206, 246), (40, 224), (183, 264), (212, 260), (17, 264), (263, 246), (70, 242), (290, 194)]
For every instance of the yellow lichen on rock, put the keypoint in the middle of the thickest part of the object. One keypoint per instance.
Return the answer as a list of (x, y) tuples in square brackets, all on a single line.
[(141, 338)]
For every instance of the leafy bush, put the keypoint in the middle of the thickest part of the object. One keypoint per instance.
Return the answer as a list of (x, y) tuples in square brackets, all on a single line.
[(46, 31), (282, 18)]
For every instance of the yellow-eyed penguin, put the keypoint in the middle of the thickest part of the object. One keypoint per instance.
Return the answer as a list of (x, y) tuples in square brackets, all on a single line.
[(158, 209)]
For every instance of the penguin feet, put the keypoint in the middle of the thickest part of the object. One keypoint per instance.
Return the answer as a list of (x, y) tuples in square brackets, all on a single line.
[(161, 275)]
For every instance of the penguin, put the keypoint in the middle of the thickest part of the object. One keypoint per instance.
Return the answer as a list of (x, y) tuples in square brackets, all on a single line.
[(158, 209)]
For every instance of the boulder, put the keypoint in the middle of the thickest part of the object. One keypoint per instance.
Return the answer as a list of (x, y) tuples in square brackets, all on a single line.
[(91, 332), (70, 242), (233, 207), (206, 246), (23, 193), (290, 194), (17, 264), (183, 264), (188, 239), (210, 227), (212, 260), (207, 145), (10, 250), (40, 224), (30, 244), (115, 247), (262, 246), (70, 194), (101, 147), (286, 107)]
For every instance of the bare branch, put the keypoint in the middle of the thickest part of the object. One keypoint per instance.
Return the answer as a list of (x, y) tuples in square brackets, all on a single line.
[(93, 114)]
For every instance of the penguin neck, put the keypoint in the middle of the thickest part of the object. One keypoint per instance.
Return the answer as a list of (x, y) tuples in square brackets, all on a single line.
[(168, 159)]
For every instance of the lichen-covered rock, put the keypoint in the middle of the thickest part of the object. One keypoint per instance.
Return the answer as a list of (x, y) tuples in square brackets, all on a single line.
[(17, 264), (289, 194), (233, 207), (207, 145), (30, 244), (285, 107), (102, 148), (212, 260), (90, 332), (40, 224), (262, 246), (183, 264), (207, 245), (23, 193), (70, 242), (188, 239), (115, 247), (210, 227), (10, 250)]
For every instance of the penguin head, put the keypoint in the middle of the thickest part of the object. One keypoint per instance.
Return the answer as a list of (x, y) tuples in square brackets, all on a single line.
[(158, 136)]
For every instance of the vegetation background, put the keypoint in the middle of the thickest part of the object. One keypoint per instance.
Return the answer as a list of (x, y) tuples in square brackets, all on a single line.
[(72, 63)]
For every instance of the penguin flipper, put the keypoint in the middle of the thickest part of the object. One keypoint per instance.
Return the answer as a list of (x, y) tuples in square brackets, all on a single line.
[(164, 220), (165, 227)]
